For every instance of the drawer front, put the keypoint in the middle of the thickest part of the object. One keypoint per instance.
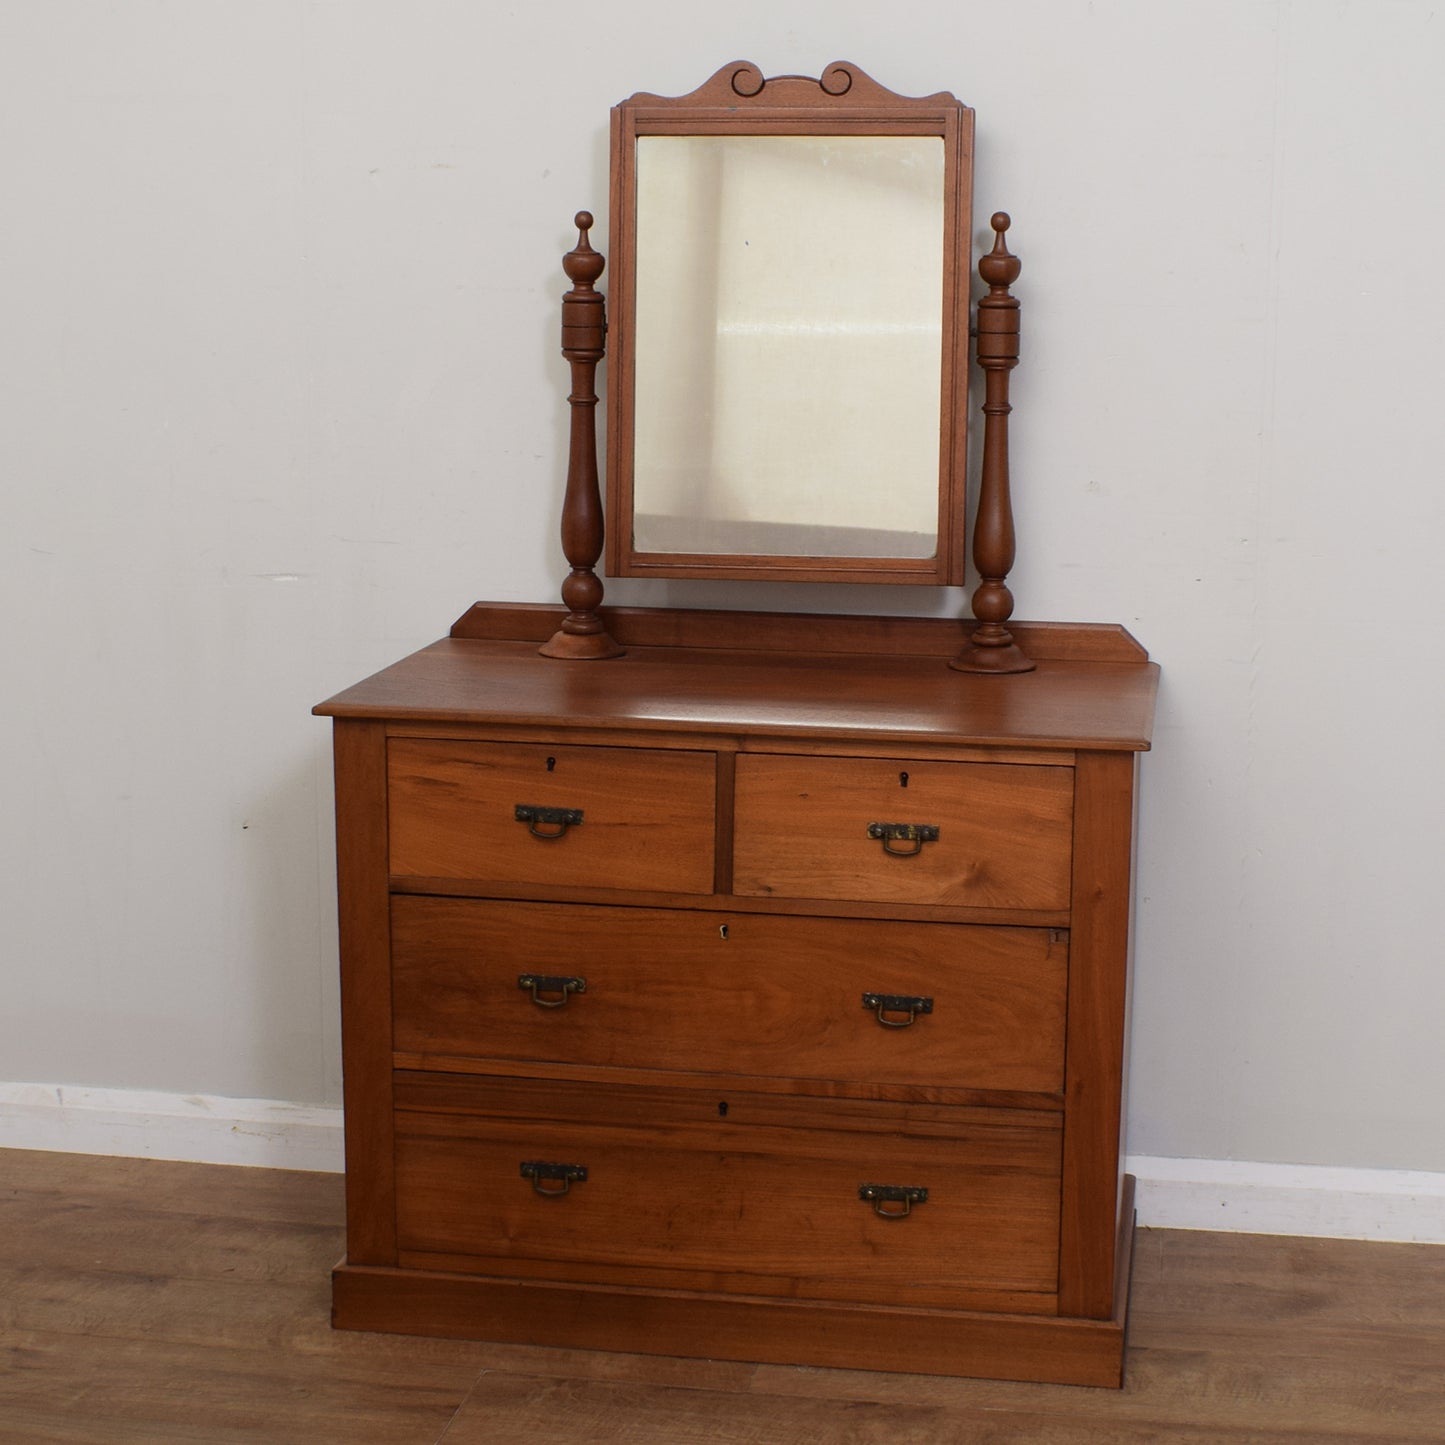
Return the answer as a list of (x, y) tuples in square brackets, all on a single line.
[(984, 835), (732, 993), (597, 817), (764, 1201)]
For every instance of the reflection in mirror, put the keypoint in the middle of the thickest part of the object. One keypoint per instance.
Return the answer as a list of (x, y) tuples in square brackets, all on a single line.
[(789, 344)]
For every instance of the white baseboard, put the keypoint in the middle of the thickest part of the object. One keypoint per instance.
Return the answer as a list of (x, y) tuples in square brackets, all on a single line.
[(1222, 1194), (197, 1127), (1307, 1199)]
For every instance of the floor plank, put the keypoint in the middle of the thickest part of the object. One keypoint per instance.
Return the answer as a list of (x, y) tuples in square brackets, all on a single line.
[(1246, 1336), (143, 1301), (550, 1411), (133, 1389)]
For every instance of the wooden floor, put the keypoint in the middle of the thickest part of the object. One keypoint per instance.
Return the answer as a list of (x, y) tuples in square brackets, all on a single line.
[(145, 1301)]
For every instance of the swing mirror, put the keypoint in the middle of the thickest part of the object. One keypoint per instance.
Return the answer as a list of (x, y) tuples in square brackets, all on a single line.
[(788, 352)]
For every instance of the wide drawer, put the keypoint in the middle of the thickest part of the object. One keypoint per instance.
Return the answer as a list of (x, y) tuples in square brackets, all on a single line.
[(738, 993), (985, 835), (732, 1192), (636, 818)]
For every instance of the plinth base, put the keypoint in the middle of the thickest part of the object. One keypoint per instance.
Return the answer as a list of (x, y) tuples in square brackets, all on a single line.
[(645, 1320)]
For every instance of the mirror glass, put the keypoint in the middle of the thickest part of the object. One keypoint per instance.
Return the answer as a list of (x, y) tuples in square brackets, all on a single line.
[(788, 344)]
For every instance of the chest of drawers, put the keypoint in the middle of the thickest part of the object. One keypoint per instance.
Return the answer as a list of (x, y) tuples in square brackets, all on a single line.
[(739, 1000)]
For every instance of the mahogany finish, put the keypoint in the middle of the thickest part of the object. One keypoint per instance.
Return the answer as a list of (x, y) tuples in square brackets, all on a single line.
[(361, 882), (1104, 801), (790, 632), (739, 100), (645, 816), (582, 635), (802, 677), (719, 992), (759, 1199), (1003, 831), (730, 1002), (992, 649)]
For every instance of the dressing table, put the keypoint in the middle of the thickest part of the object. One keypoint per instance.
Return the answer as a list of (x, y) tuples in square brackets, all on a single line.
[(752, 985)]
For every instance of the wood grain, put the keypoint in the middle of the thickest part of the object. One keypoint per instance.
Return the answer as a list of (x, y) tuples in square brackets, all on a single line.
[(582, 636), (731, 1327), (647, 813), (153, 1302), (363, 903), (892, 700), (1098, 986), (736, 902), (159, 1302), (695, 1079), (1004, 833), (736, 1194), (991, 649), (698, 627), (731, 992), (719, 1217)]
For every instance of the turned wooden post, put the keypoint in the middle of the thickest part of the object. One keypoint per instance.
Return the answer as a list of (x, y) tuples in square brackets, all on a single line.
[(583, 635), (992, 648)]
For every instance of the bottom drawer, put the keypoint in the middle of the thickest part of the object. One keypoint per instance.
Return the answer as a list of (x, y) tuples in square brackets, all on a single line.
[(734, 1192)]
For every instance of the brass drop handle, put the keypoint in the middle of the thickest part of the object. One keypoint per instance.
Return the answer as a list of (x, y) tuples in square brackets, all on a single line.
[(540, 983), (565, 1174), (558, 819), (915, 833), (884, 1004), (892, 1201)]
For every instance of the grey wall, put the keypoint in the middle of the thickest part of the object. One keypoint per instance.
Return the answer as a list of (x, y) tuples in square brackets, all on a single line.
[(282, 397)]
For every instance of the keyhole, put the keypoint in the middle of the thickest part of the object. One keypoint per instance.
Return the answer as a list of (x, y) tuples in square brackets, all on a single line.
[(551, 764), (903, 780), (722, 1109), (723, 931)]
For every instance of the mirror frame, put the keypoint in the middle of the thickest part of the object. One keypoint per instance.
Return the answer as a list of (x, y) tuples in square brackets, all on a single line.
[(738, 100)]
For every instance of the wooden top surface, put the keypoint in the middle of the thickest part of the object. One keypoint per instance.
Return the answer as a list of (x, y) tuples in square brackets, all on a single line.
[(871, 690)]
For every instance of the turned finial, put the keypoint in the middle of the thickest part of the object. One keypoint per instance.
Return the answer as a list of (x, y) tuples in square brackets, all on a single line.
[(583, 265), (999, 268)]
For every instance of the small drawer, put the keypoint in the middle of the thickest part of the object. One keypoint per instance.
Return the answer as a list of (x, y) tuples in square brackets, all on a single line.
[(983, 835), (821, 1199), (568, 817), (914, 1005)]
